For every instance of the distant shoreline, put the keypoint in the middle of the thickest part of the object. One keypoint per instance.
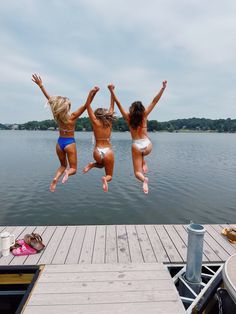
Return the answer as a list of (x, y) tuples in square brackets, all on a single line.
[(193, 125)]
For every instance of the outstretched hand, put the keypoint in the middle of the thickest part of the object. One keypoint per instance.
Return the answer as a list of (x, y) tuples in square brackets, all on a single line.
[(94, 90), (164, 83), (111, 87), (37, 80)]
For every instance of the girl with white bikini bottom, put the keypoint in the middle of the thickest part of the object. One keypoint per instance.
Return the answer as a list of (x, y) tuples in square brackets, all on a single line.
[(137, 122), (101, 120)]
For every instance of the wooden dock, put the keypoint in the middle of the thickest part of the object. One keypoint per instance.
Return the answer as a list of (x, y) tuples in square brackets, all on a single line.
[(113, 268)]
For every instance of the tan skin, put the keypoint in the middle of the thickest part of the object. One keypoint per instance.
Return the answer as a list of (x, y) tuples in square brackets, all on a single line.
[(102, 137), (139, 163), (69, 155)]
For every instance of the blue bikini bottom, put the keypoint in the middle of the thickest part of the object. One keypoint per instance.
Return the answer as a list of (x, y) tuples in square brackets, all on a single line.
[(64, 141)]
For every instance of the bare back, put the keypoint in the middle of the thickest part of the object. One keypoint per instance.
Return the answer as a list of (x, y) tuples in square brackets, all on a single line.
[(140, 132), (102, 134), (67, 129)]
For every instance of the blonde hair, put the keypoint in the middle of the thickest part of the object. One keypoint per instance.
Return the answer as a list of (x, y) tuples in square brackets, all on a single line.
[(60, 107), (104, 116)]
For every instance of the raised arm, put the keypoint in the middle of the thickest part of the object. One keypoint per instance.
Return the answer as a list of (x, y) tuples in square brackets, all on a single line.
[(89, 100), (156, 99), (122, 110), (37, 80), (112, 104)]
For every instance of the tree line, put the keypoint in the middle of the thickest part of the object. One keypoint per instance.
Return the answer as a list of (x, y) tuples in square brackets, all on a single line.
[(192, 124)]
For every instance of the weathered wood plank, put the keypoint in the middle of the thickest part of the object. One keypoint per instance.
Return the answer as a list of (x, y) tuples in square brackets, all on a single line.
[(104, 297), (64, 246), (134, 246), (157, 246), (178, 242), (146, 247), (99, 245), (122, 244), (51, 248), (173, 307), (106, 286), (171, 251), (111, 245), (76, 246), (103, 267), (88, 245), (217, 249), (104, 276)]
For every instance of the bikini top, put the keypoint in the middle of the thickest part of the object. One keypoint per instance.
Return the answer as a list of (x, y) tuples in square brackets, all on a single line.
[(66, 131), (102, 139)]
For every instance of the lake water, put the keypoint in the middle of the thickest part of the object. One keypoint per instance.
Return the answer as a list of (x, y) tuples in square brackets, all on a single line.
[(192, 177)]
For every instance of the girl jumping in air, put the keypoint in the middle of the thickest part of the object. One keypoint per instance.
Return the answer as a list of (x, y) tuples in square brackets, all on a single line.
[(137, 122), (65, 147), (101, 120)]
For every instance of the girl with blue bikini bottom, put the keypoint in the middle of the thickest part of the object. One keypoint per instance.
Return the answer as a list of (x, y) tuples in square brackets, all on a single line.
[(65, 147)]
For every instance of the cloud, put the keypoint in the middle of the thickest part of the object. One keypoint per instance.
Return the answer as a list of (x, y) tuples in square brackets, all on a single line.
[(75, 45)]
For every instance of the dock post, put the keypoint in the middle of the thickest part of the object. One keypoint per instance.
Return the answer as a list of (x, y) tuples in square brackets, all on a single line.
[(194, 256)]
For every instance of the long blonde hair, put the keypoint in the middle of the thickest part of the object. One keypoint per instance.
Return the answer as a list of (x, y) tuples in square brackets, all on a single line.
[(104, 116), (60, 107)]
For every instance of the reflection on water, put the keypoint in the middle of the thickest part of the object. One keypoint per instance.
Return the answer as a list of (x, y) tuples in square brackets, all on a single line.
[(192, 177)]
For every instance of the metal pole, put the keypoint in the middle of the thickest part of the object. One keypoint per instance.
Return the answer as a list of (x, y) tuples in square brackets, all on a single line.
[(194, 256)]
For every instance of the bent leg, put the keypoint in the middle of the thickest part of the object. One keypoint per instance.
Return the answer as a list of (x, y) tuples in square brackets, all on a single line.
[(98, 164), (137, 157), (72, 159), (109, 166), (62, 157), (145, 153)]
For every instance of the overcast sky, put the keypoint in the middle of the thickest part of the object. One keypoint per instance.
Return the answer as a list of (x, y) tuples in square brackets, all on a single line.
[(75, 45)]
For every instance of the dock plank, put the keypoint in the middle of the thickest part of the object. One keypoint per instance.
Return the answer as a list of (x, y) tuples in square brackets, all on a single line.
[(157, 246), (76, 246), (111, 254), (178, 242), (146, 247), (134, 246), (51, 248), (122, 245), (105, 288), (88, 245), (168, 244), (64, 246), (99, 245), (115, 308)]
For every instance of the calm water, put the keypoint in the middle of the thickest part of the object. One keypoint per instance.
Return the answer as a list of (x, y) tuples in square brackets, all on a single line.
[(192, 177)]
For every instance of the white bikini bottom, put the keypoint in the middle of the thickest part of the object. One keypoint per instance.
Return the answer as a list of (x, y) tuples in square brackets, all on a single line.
[(142, 143), (102, 151)]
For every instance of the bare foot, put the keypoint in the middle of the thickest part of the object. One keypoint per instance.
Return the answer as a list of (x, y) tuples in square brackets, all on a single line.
[(88, 167), (104, 184), (53, 185), (145, 167), (65, 178), (145, 185)]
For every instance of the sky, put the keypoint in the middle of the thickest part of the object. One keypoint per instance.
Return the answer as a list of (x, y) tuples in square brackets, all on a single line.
[(76, 45)]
